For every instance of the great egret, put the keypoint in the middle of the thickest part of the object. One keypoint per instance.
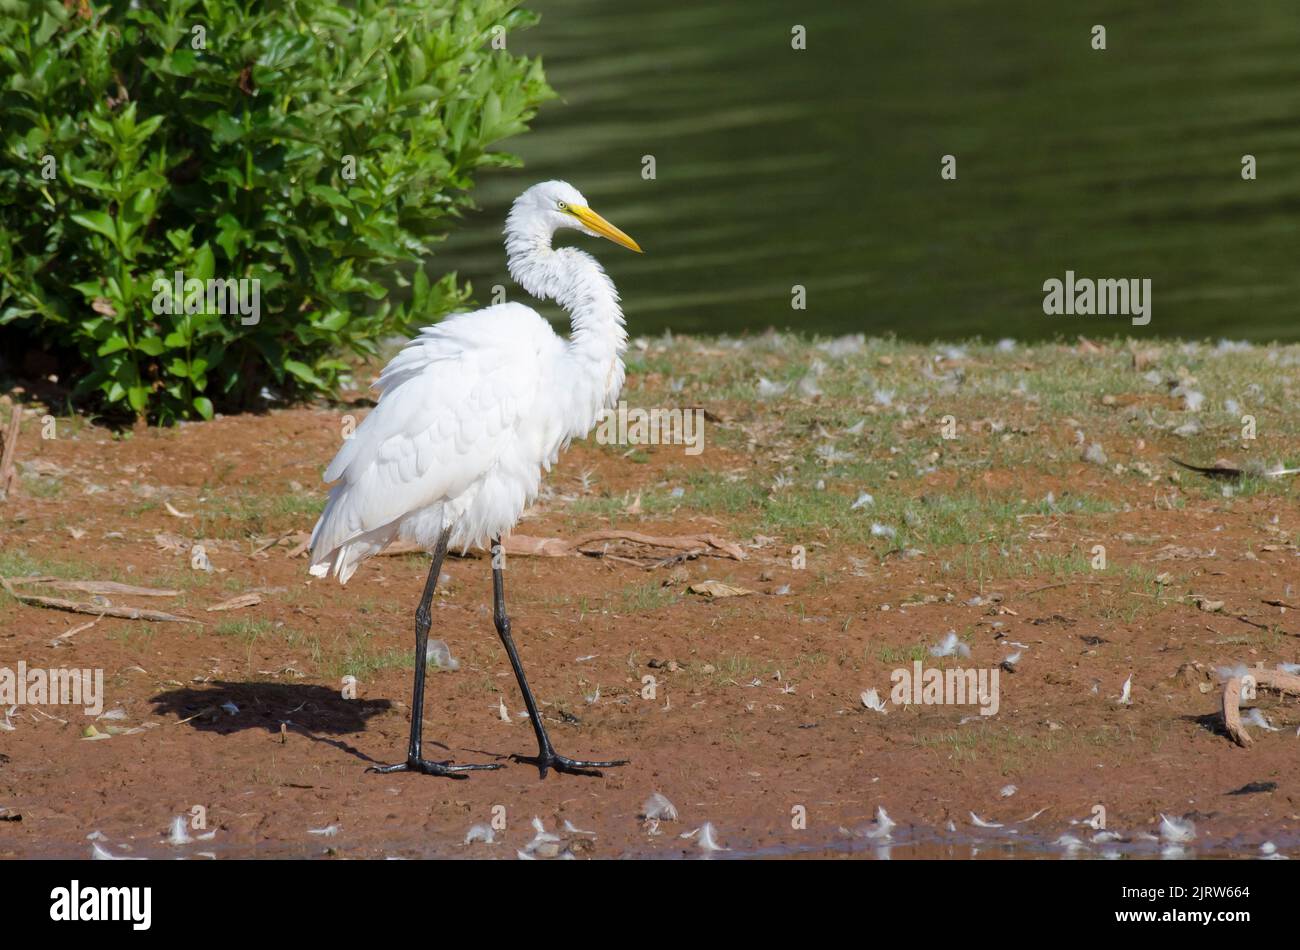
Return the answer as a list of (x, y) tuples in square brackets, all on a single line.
[(470, 412)]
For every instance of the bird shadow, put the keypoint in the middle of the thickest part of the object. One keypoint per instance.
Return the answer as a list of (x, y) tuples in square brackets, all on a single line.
[(308, 710), (314, 711), (1210, 722)]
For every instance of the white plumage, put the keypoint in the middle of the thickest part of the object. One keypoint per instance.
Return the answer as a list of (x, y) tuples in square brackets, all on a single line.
[(473, 410)]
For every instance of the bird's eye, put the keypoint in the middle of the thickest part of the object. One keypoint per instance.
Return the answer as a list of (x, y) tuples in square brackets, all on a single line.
[(562, 206)]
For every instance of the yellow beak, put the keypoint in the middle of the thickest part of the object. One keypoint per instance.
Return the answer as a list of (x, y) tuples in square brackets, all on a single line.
[(595, 222)]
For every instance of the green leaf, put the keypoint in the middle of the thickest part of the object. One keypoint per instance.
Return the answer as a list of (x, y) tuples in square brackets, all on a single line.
[(304, 372), (203, 405), (418, 94), (112, 345), (98, 222)]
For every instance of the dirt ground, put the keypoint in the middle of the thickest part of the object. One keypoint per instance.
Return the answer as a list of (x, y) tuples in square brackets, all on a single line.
[(755, 721)]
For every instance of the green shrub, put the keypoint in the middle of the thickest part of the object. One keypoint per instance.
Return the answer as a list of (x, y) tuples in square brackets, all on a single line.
[(319, 148)]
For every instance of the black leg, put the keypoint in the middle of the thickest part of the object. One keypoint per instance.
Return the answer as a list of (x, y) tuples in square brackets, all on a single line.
[(423, 621), (547, 757)]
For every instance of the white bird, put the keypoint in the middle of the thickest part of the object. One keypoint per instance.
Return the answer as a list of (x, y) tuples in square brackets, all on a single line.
[(470, 413)]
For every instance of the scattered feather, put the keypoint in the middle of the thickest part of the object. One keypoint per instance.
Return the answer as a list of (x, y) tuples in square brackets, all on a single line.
[(545, 844), (871, 699), (482, 833), (1254, 717), (883, 827), (439, 654), (329, 831), (98, 853), (951, 646), (1007, 791), (706, 838), (658, 808), (979, 822), (1126, 697), (1172, 829), (178, 835)]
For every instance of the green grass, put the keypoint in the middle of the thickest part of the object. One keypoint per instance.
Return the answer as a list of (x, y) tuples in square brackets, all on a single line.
[(18, 563), (41, 487), (242, 514)]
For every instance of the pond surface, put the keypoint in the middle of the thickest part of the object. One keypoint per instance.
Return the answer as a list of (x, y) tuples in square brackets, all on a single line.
[(821, 167)]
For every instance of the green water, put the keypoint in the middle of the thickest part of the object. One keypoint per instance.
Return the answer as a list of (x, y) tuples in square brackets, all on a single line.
[(821, 167)]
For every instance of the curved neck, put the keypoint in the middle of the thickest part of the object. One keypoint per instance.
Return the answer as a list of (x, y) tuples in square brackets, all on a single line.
[(575, 281)]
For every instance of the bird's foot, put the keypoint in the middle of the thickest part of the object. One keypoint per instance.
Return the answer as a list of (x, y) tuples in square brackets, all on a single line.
[(550, 759), (445, 769)]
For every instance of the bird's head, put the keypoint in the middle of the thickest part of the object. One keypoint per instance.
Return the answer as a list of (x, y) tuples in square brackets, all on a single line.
[(560, 205)]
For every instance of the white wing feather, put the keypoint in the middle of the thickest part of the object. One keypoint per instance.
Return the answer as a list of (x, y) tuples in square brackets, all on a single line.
[(459, 403)]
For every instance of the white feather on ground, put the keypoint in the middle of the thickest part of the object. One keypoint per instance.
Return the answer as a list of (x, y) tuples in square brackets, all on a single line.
[(951, 645), (545, 843), (871, 699), (1254, 717), (439, 654), (482, 833), (883, 826), (1126, 695), (979, 822), (707, 838), (658, 808), (178, 836), (1173, 829), (1239, 671), (100, 854)]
